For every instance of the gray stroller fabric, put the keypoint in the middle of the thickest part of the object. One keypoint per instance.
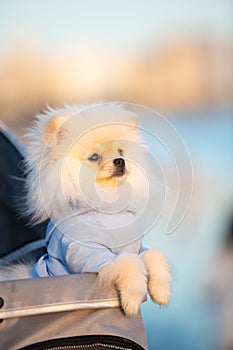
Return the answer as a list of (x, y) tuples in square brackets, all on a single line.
[(37, 310)]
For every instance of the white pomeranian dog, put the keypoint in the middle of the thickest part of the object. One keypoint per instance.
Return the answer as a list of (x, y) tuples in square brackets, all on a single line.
[(86, 173)]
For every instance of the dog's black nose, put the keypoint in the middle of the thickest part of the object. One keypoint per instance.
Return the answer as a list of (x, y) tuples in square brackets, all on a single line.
[(119, 162)]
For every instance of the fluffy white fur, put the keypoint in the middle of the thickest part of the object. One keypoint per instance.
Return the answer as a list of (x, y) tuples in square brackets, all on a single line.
[(61, 144), (15, 271), (52, 171)]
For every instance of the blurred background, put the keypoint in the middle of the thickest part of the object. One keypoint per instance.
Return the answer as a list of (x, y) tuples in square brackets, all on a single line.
[(176, 57)]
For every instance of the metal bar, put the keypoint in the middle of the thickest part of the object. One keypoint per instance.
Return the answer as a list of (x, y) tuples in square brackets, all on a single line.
[(47, 309)]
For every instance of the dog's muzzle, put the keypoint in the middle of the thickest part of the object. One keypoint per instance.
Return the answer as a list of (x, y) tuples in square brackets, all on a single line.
[(119, 167)]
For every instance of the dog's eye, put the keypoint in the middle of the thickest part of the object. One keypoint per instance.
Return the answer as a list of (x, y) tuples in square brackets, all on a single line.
[(120, 152), (94, 157)]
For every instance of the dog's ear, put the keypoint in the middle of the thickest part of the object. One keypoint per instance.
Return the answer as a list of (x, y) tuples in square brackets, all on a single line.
[(55, 130)]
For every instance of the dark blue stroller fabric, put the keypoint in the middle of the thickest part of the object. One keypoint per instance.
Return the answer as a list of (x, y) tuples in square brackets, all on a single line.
[(18, 237)]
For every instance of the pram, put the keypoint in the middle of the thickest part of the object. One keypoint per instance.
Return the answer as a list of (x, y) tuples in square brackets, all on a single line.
[(70, 312)]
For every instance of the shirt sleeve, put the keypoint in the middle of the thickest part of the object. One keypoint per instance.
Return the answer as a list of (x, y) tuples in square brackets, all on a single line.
[(82, 258), (142, 250)]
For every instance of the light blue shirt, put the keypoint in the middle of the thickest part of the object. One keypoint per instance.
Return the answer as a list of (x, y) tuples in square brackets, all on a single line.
[(85, 242)]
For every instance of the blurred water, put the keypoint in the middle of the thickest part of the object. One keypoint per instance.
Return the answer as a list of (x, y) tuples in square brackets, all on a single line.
[(190, 322)]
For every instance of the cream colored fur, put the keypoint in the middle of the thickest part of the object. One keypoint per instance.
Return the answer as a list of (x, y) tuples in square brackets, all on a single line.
[(59, 145), (159, 277), (128, 274)]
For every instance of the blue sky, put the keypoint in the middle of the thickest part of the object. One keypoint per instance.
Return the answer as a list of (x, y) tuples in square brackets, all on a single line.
[(118, 24)]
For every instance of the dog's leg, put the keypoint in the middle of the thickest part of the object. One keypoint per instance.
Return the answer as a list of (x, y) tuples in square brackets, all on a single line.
[(159, 277), (15, 272), (127, 273)]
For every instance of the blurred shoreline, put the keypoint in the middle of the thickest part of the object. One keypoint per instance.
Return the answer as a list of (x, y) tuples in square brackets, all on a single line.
[(182, 77)]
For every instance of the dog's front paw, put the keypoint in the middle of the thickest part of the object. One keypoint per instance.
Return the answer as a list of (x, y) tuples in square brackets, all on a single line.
[(159, 277), (160, 292), (128, 275), (132, 297)]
